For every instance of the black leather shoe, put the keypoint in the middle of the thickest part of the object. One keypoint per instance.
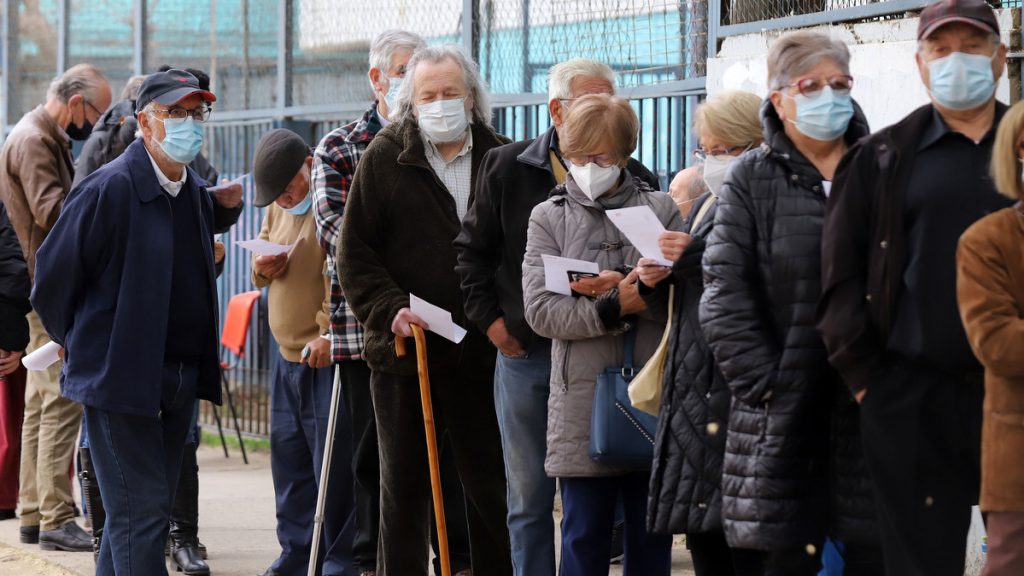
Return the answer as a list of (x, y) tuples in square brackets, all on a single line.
[(618, 550), (29, 535), (202, 550), (187, 559), (69, 537), (7, 513)]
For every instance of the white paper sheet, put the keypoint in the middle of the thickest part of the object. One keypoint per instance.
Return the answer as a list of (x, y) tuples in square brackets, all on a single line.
[(556, 269), (641, 226), (264, 248), (42, 358), (438, 319)]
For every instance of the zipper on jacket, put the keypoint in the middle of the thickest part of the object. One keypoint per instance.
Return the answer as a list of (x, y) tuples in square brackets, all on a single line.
[(565, 367)]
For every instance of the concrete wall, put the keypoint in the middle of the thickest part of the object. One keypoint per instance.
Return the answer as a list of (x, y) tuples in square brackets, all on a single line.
[(887, 83)]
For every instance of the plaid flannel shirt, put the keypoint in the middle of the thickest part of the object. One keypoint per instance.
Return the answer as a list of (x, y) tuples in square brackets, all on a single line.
[(334, 165)]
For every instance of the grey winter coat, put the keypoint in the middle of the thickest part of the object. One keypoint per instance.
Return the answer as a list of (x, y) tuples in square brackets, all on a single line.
[(571, 225)]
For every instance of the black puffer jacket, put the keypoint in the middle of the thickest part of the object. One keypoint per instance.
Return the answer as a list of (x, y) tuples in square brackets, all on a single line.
[(686, 478), (762, 270)]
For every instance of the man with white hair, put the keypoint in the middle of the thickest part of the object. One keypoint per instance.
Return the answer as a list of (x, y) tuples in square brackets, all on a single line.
[(36, 172), (334, 167), (512, 180), (404, 210), (125, 284)]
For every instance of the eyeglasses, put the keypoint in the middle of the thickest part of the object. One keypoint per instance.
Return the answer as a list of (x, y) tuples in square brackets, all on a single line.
[(201, 114), (602, 160), (702, 154), (95, 109), (812, 87)]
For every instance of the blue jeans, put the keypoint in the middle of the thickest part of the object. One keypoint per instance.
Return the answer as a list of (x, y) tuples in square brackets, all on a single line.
[(137, 461), (588, 506), (299, 409), (521, 387)]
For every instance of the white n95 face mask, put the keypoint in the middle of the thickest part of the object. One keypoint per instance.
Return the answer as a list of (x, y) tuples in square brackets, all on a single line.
[(594, 180), (443, 121), (715, 169)]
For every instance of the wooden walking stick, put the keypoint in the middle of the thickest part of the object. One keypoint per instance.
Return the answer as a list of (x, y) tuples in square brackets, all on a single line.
[(428, 428)]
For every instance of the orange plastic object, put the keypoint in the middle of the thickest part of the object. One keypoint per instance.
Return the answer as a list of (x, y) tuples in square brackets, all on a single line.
[(236, 323)]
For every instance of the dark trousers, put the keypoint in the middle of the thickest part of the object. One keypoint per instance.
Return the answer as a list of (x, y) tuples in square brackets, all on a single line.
[(588, 508), (464, 410), (799, 561), (300, 408), (859, 560), (355, 382), (921, 430), (137, 459), (711, 554), (12, 410)]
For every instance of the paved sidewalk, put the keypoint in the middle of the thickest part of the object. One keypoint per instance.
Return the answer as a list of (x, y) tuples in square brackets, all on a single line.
[(236, 522)]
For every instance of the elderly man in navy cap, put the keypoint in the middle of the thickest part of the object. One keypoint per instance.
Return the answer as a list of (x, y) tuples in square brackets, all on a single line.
[(889, 315), (125, 283)]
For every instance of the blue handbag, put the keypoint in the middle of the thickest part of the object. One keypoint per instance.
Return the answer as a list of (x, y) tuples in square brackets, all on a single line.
[(620, 435)]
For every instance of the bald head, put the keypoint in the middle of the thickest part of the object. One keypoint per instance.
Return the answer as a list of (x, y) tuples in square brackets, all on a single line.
[(687, 186)]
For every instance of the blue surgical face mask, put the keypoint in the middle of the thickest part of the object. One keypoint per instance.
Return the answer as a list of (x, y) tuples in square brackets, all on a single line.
[(302, 207), (824, 117), (182, 139), (391, 98), (961, 81)]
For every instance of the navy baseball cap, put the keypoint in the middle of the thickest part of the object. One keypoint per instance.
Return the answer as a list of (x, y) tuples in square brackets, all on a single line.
[(975, 13), (169, 88)]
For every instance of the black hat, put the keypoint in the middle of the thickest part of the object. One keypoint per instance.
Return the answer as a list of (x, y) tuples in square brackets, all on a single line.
[(279, 156), (976, 13), (169, 88)]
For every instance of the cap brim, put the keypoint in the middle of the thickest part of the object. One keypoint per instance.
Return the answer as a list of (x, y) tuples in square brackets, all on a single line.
[(263, 198), (949, 20), (178, 94)]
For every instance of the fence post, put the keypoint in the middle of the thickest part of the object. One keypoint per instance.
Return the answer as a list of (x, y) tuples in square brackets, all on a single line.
[(284, 56), (139, 37), (62, 35), (714, 21), (9, 38), (471, 28)]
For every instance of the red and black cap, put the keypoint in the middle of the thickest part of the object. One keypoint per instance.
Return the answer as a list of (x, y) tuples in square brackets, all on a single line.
[(975, 13), (169, 88)]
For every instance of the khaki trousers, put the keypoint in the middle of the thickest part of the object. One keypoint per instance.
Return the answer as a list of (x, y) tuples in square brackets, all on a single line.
[(48, 440)]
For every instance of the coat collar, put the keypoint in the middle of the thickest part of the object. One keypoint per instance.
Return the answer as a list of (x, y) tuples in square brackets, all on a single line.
[(46, 123), (407, 134), (538, 153), (144, 179)]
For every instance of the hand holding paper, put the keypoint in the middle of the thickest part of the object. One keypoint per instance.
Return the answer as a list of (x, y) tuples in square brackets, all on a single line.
[(641, 226), (556, 272), (41, 358), (439, 321)]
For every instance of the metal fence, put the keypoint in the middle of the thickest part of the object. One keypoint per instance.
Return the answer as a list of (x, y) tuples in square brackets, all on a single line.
[(302, 64)]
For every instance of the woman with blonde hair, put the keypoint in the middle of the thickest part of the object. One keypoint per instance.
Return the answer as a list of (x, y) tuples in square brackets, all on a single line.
[(686, 478), (590, 332), (990, 291)]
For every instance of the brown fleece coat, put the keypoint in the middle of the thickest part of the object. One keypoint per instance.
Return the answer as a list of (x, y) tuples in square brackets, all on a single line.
[(990, 288)]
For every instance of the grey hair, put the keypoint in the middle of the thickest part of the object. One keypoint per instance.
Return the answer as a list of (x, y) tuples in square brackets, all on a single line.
[(131, 88), (385, 44), (481, 112), (797, 52), (561, 75), (84, 79)]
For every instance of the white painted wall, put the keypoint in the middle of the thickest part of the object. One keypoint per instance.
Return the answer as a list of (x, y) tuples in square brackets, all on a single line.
[(887, 83)]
